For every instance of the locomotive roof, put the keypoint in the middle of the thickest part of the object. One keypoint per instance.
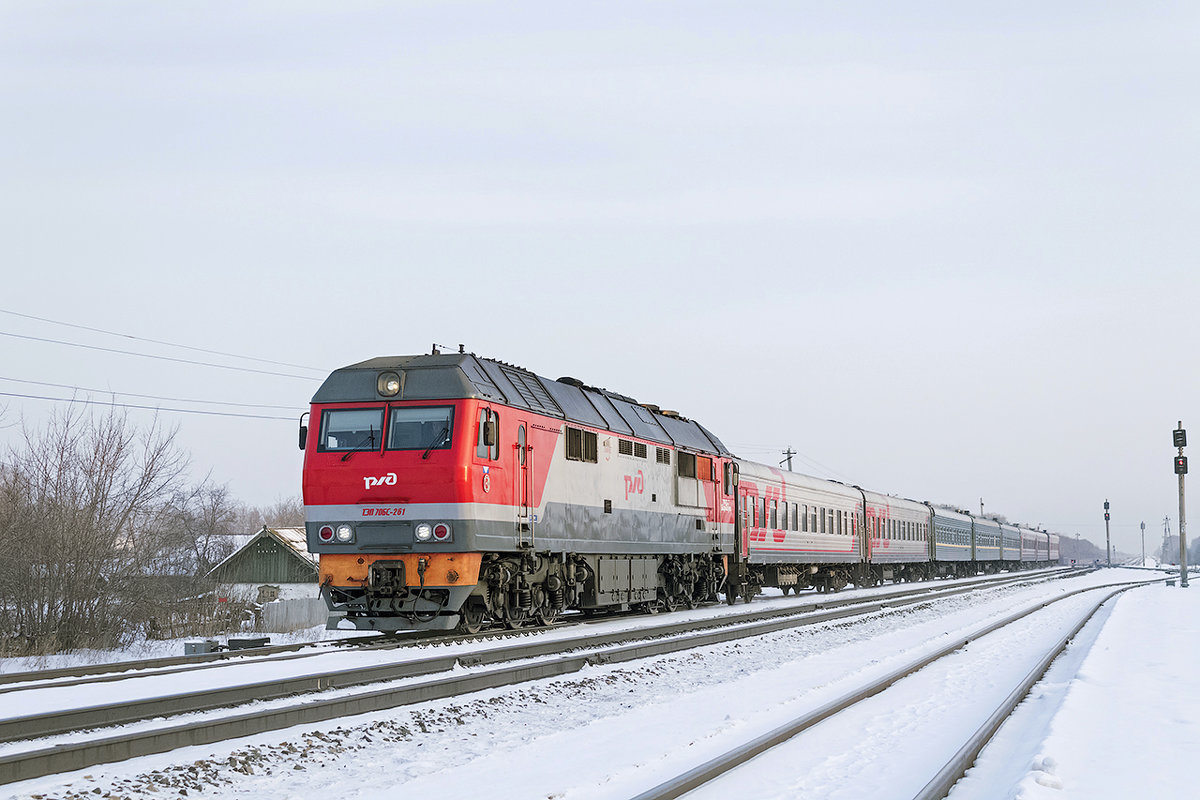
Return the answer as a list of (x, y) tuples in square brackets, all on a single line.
[(465, 375)]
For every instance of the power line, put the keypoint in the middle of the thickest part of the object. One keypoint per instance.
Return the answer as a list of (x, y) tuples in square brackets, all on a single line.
[(147, 408), (156, 341), (145, 396), (160, 358), (810, 461)]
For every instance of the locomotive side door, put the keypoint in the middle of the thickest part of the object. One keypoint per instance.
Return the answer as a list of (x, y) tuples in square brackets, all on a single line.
[(522, 489), (746, 506)]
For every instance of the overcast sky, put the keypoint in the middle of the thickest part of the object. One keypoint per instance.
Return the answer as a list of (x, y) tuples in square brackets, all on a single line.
[(943, 250)]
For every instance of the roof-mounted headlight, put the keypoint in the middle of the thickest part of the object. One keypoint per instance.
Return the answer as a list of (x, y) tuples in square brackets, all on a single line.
[(388, 384)]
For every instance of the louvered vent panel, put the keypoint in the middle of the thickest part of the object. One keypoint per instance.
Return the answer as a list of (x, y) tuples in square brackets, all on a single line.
[(532, 392)]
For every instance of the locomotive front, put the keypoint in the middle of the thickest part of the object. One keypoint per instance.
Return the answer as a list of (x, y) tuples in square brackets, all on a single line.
[(387, 504)]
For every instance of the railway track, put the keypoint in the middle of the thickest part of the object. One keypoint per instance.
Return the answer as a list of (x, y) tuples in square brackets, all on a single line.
[(427, 678), (707, 774), (168, 665)]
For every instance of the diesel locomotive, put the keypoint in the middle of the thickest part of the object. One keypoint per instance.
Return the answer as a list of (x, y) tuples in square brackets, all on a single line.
[(454, 491)]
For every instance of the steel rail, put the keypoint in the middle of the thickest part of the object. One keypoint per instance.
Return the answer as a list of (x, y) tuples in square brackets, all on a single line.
[(714, 768), (167, 665), (110, 667), (760, 621), (964, 759), (555, 661), (110, 714)]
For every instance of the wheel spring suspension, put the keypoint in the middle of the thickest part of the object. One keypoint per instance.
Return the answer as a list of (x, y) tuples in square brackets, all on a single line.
[(556, 591)]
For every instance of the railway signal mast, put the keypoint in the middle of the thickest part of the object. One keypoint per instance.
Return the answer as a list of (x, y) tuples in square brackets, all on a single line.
[(1180, 440), (1107, 540)]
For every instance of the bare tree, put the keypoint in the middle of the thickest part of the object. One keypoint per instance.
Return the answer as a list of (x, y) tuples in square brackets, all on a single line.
[(85, 524), (287, 512), (205, 518)]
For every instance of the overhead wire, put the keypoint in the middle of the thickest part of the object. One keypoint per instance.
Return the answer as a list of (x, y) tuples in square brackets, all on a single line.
[(147, 408), (800, 456), (115, 394), (160, 358), (145, 396), (156, 341)]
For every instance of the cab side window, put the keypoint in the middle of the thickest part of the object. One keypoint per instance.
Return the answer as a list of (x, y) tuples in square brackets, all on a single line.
[(488, 443)]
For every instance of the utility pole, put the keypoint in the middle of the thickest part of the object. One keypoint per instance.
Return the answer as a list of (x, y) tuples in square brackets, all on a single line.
[(788, 453), (1166, 555), (981, 506), (1180, 440), (1143, 544), (1107, 540)]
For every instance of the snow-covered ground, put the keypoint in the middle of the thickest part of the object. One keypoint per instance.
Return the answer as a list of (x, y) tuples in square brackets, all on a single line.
[(1111, 715), (1128, 723)]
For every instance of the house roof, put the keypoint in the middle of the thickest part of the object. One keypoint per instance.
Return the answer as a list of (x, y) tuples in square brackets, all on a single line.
[(294, 539)]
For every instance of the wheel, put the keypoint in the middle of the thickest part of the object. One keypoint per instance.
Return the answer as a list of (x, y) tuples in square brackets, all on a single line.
[(546, 615), (517, 618), (473, 615)]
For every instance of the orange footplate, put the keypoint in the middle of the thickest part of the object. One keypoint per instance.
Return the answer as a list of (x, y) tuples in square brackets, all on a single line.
[(441, 569)]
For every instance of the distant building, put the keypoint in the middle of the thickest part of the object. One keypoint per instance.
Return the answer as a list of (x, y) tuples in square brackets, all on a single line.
[(275, 556), (275, 571)]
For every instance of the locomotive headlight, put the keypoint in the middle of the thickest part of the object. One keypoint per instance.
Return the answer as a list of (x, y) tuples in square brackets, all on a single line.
[(388, 384), (424, 532), (345, 533)]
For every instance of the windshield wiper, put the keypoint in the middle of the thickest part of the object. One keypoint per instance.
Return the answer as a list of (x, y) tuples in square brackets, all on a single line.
[(441, 437), (370, 445)]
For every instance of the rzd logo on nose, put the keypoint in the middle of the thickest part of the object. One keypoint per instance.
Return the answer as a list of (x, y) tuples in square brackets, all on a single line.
[(383, 480)]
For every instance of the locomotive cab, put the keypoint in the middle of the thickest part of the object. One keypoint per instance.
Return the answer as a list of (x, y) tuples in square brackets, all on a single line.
[(384, 488)]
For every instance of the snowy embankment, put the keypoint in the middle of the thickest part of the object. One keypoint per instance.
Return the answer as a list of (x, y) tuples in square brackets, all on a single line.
[(613, 731), (1123, 723)]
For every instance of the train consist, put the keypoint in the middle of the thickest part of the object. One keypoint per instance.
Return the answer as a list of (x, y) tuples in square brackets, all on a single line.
[(451, 490)]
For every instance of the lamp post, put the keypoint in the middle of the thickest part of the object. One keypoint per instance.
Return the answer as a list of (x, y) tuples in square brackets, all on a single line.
[(1107, 540)]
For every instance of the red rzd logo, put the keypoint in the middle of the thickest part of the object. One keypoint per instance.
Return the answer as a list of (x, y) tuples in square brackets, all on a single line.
[(634, 485)]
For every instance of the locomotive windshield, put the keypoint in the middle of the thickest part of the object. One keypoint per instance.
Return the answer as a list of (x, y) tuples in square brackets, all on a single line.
[(420, 428), (408, 428), (351, 428)]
